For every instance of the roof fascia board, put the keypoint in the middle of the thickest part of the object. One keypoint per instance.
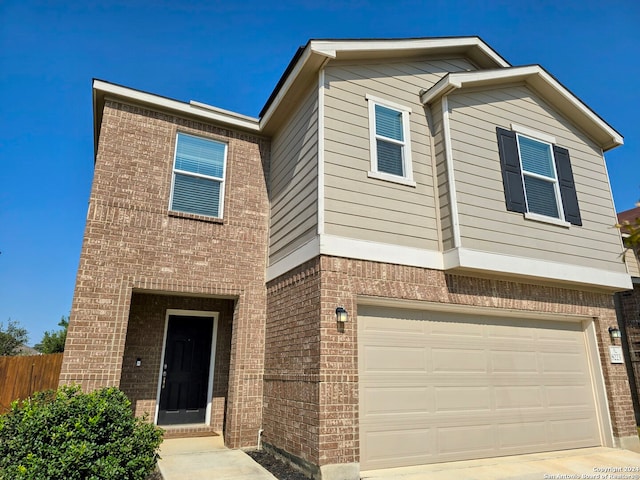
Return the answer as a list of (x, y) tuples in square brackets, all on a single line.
[(308, 52), (532, 74), (197, 109), (336, 46)]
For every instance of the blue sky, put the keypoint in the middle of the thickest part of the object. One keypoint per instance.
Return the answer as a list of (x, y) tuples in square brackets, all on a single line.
[(231, 54)]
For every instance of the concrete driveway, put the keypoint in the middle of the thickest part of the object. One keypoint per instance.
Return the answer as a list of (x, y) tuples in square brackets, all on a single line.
[(596, 463)]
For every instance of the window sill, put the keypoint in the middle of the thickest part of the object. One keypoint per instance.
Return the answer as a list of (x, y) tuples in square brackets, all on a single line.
[(391, 178), (543, 219), (193, 216)]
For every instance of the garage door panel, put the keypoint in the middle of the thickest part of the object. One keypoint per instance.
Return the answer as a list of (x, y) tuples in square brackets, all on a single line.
[(451, 331), (557, 362), (568, 395), (397, 400), (473, 386), (394, 358), (467, 439), (510, 361), (572, 432), (408, 446), (449, 360), (518, 396), (520, 435), (462, 398)]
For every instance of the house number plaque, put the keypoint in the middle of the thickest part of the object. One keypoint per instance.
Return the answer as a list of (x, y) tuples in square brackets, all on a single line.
[(615, 352)]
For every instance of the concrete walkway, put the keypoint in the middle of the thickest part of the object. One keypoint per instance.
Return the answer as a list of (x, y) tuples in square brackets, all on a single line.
[(597, 463), (207, 458)]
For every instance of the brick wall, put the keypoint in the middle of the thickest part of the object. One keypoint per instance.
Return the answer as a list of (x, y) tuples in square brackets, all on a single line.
[(629, 304), (292, 361), (133, 244), (342, 281), (147, 319)]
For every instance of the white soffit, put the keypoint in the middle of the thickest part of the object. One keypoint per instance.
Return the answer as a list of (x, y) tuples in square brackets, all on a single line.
[(540, 81)]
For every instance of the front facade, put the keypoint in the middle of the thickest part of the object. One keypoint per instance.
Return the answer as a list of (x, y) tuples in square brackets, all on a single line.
[(456, 207)]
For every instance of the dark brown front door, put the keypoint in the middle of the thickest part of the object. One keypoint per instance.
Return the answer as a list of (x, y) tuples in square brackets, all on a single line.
[(185, 375)]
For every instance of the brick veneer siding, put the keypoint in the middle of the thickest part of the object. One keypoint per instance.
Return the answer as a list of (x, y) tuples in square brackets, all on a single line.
[(132, 244), (336, 386), (147, 318), (292, 363), (629, 310)]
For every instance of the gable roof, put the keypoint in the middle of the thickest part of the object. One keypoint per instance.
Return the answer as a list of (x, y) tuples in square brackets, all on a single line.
[(543, 83), (309, 59)]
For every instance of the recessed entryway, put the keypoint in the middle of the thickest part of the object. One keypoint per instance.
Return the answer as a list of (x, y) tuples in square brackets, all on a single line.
[(186, 373)]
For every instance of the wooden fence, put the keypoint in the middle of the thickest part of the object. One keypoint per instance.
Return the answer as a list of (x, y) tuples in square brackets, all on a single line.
[(22, 376)]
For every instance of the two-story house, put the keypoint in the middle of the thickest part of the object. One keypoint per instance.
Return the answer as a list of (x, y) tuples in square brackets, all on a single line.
[(407, 258)]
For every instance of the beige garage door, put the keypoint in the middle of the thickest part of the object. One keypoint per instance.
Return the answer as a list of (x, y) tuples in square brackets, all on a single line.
[(439, 387)]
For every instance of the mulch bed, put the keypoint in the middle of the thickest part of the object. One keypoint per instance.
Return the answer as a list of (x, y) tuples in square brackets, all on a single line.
[(277, 467)]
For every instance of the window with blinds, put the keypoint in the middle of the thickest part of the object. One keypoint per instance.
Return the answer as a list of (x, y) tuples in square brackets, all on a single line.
[(198, 176), (389, 142), (539, 175)]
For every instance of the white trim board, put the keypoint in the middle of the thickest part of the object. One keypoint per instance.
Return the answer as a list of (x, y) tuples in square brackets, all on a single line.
[(496, 263), (520, 268)]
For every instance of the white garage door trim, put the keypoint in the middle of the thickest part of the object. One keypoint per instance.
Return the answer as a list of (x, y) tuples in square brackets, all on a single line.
[(592, 362)]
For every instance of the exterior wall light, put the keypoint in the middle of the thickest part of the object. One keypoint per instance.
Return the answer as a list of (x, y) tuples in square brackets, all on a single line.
[(341, 315), (614, 333)]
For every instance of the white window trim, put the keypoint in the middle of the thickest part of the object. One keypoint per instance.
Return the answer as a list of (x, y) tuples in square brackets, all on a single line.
[(550, 142), (174, 170), (407, 178)]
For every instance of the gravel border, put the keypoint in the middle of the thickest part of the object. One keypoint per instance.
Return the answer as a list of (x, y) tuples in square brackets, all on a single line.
[(277, 467)]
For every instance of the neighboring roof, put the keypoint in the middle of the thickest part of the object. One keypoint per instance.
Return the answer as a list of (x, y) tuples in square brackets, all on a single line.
[(308, 60), (543, 83), (629, 215)]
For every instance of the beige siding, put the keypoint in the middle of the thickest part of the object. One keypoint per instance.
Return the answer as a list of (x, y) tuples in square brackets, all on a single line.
[(370, 209), (485, 224), (632, 263), (293, 182)]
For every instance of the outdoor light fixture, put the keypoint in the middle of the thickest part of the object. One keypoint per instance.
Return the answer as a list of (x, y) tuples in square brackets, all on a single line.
[(614, 332), (341, 315)]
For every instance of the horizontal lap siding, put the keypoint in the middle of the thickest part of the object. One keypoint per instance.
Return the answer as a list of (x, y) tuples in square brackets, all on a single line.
[(369, 209), (294, 180), (485, 224), (632, 263)]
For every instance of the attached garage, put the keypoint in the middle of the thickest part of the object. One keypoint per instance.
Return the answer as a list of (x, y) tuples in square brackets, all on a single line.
[(439, 386)]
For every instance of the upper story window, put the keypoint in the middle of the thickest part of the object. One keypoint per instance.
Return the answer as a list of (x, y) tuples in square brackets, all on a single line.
[(198, 176), (389, 141), (537, 176)]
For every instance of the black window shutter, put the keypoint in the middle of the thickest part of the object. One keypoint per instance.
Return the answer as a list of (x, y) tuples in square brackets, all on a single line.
[(511, 174), (567, 186)]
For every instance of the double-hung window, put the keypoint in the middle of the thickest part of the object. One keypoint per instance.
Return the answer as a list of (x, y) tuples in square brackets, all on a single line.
[(537, 176), (389, 141), (198, 176)]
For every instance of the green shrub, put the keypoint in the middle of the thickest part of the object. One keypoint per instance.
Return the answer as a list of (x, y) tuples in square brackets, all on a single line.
[(66, 434)]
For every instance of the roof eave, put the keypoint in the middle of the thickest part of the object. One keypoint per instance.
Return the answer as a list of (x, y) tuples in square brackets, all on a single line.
[(103, 90), (310, 58), (542, 82)]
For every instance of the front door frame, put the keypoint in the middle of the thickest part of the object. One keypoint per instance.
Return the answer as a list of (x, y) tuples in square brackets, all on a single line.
[(214, 335)]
